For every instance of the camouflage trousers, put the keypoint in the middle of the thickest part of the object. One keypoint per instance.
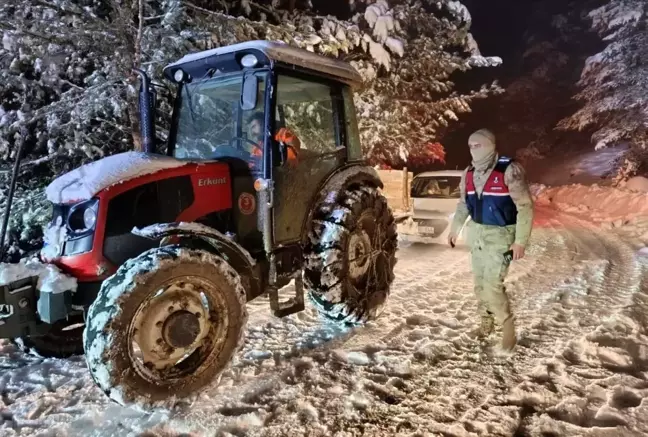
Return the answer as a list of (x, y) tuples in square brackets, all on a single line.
[(487, 247)]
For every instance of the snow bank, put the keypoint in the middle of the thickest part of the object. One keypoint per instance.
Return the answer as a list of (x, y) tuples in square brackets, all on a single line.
[(86, 181), (50, 278), (637, 183), (601, 204)]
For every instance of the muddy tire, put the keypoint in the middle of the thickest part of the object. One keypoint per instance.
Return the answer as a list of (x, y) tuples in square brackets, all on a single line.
[(63, 341), (165, 326), (350, 256)]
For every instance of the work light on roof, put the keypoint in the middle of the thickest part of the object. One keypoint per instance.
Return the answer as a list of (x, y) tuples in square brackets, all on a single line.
[(249, 61), (179, 75)]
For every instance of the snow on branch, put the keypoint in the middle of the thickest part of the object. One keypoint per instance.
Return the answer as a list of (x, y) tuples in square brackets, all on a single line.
[(613, 82)]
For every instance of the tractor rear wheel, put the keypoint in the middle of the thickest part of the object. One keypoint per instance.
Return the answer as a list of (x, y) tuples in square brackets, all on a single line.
[(65, 339), (350, 256), (165, 326)]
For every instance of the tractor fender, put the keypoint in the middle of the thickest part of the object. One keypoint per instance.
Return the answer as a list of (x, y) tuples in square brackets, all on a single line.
[(338, 182), (345, 178), (217, 242)]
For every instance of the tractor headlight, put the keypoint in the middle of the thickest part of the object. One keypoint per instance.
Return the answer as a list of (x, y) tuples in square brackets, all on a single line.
[(89, 217), (83, 216)]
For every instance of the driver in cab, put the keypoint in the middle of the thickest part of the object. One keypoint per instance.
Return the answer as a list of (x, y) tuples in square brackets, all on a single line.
[(284, 136)]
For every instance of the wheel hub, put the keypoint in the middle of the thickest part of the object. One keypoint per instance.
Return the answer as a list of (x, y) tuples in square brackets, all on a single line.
[(171, 325), (181, 329), (359, 254)]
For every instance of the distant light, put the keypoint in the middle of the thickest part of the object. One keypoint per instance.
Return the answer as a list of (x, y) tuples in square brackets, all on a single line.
[(249, 61), (179, 75)]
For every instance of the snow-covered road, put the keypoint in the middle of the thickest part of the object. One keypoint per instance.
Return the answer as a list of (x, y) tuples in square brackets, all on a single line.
[(581, 367)]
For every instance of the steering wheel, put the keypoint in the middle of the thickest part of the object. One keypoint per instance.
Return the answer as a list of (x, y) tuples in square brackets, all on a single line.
[(247, 140), (234, 152)]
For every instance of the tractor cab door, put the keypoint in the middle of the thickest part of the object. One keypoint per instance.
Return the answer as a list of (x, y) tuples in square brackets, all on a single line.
[(311, 113)]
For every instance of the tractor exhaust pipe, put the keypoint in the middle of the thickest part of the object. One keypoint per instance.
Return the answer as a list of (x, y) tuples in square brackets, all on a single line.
[(147, 111), (12, 188)]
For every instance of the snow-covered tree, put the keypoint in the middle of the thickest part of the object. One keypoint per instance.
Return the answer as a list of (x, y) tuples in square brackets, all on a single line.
[(539, 77), (66, 67), (404, 106), (614, 81)]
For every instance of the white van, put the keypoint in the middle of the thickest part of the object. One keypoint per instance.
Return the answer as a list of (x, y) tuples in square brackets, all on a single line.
[(434, 196)]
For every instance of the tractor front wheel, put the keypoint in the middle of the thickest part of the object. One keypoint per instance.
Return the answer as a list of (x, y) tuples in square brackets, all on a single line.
[(165, 326), (350, 256)]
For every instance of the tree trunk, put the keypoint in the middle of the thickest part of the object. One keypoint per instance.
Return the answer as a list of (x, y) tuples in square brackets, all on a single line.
[(134, 118)]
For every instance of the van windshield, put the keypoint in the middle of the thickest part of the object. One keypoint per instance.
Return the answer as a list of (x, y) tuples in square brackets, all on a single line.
[(436, 187)]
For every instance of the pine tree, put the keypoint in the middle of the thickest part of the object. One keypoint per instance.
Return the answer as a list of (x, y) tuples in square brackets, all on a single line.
[(614, 84)]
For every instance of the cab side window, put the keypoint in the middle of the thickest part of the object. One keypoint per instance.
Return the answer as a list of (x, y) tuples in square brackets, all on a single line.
[(309, 110)]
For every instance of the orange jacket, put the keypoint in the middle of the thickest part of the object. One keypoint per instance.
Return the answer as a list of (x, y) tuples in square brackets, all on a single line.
[(288, 138)]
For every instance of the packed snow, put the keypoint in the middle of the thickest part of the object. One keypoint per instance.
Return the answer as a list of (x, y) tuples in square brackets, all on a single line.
[(84, 182), (50, 278), (580, 369)]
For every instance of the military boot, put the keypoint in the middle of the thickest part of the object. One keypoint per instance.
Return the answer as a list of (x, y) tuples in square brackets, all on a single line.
[(486, 326), (509, 339)]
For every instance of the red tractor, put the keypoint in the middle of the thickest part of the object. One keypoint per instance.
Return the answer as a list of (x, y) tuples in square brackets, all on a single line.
[(155, 255)]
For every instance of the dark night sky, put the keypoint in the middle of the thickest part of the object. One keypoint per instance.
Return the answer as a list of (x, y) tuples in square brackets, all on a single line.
[(498, 26)]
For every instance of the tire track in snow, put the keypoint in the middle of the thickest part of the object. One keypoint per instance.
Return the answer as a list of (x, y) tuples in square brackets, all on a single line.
[(595, 381), (417, 369)]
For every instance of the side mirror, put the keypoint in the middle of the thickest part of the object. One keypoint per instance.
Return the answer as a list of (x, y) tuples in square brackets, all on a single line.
[(249, 93)]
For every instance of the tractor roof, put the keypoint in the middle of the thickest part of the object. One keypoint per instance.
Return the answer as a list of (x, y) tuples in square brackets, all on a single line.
[(276, 52)]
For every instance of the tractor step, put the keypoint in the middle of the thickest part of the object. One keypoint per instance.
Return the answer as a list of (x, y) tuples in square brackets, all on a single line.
[(292, 305)]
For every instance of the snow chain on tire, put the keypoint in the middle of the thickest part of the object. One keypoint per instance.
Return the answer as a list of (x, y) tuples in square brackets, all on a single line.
[(108, 339), (341, 285)]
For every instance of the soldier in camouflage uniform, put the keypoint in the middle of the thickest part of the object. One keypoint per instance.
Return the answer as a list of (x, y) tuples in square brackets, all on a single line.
[(495, 194)]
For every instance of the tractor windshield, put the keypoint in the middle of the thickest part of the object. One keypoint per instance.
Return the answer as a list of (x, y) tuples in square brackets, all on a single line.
[(211, 123)]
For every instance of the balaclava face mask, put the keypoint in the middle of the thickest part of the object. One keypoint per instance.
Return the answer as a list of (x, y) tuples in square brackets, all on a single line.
[(482, 156)]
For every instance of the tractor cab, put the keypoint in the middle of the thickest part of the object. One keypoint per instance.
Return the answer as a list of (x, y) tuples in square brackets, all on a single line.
[(237, 104), (224, 94)]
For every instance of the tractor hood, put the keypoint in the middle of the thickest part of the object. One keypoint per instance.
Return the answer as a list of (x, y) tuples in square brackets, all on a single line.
[(86, 181)]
